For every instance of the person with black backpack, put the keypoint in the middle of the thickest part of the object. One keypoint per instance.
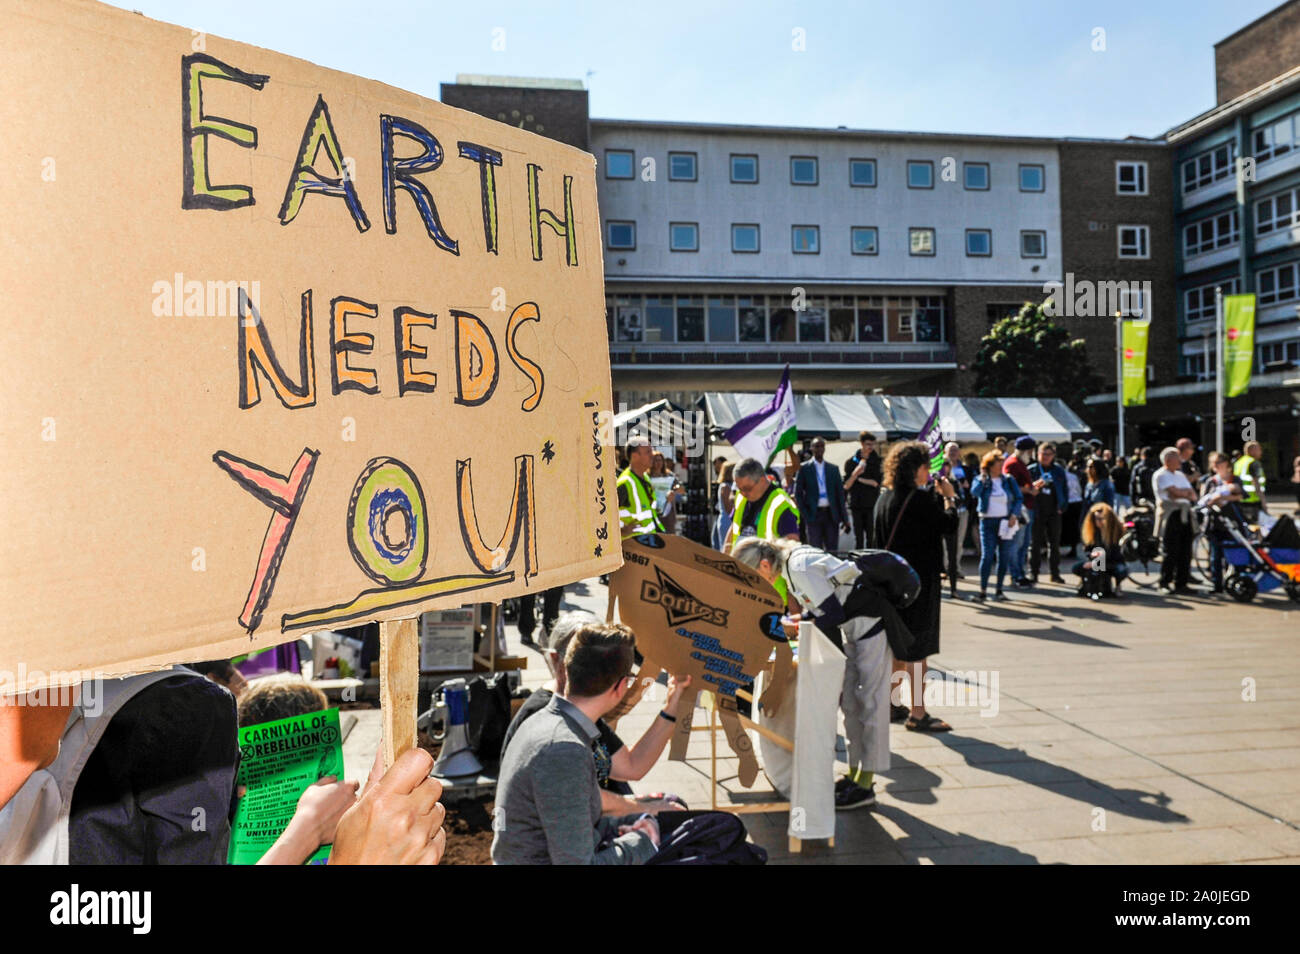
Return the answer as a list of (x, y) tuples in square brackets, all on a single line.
[(855, 604)]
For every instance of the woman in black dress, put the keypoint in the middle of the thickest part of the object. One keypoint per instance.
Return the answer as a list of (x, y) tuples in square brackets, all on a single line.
[(912, 519)]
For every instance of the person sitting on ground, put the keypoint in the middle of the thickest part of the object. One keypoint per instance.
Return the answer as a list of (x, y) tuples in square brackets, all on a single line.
[(853, 603), (616, 764), (323, 803), (1102, 565), (548, 797)]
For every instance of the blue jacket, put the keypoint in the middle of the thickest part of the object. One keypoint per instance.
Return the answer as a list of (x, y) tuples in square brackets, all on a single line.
[(1055, 476), (806, 492), (1101, 492), (982, 488)]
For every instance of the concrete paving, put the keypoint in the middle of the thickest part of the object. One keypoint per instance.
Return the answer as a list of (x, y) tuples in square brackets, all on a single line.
[(1144, 730)]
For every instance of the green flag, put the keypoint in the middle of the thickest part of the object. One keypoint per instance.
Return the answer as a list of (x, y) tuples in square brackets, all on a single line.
[(1239, 348), (1134, 342)]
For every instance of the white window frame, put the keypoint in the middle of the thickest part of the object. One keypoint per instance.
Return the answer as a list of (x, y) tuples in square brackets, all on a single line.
[(1201, 180), (817, 240), (1139, 167), (1142, 243), (1024, 233), (988, 233), (695, 166), (1278, 295), (934, 241), (631, 154), (758, 238), (731, 168), (620, 248), (1020, 176), (874, 230), (927, 164), (874, 176), (1272, 222), (1275, 147), (1218, 238), (816, 170), (1132, 303), (693, 225), (988, 177), (1205, 296)]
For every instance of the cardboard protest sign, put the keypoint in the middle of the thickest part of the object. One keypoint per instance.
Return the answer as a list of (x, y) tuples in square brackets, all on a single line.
[(698, 612), (278, 760), (290, 350)]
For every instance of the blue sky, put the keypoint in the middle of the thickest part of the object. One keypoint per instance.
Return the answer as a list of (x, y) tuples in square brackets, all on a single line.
[(1004, 67)]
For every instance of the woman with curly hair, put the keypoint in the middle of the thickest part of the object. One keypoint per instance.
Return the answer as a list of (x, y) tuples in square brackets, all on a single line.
[(912, 518)]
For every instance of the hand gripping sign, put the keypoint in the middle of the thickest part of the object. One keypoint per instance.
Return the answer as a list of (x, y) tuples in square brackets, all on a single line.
[(698, 612), (297, 350)]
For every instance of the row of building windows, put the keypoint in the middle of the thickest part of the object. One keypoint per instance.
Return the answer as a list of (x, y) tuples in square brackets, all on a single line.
[(806, 239), (1268, 142), (745, 319), (1274, 356), (804, 170), (1273, 286)]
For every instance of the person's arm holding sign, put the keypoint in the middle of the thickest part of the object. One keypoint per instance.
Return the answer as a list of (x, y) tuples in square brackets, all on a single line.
[(320, 807), (397, 820), (631, 764)]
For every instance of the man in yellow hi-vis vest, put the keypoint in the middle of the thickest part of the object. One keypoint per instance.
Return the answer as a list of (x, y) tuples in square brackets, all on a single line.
[(636, 498), (763, 510), (1251, 472)]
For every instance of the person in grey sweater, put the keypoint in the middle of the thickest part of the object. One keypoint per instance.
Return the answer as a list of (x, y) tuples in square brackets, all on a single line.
[(548, 807)]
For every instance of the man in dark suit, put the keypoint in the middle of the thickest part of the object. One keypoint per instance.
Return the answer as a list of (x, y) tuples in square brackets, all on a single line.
[(819, 495)]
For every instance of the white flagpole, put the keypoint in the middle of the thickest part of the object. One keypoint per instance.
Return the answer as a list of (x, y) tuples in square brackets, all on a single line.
[(1218, 368), (1119, 380)]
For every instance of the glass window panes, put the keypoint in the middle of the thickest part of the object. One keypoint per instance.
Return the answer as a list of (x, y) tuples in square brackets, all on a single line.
[(751, 316), (1277, 212), (863, 240), (812, 321), (1033, 178), (621, 235), (1131, 178), (1217, 231), (1133, 241), (1033, 244), (744, 238), (898, 318), (805, 239), (920, 241), (803, 170), (690, 318), (684, 237), (927, 319), (976, 175), (722, 318), (1275, 139), (744, 168), (1209, 167), (979, 242), (781, 325), (920, 174), (1199, 302), (619, 164), (628, 318), (871, 319), (681, 166), (862, 173), (1274, 285), (658, 318), (840, 311)]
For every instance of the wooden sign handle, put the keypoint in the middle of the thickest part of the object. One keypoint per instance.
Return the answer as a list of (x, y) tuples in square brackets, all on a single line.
[(399, 685)]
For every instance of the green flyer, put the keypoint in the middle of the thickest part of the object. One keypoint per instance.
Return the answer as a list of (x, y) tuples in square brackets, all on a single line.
[(278, 760)]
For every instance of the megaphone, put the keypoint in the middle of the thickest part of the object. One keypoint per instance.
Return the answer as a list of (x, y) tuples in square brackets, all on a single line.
[(456, 757)]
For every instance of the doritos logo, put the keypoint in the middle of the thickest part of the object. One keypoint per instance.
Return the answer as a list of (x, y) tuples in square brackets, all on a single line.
[(680, 606), (730, 568)]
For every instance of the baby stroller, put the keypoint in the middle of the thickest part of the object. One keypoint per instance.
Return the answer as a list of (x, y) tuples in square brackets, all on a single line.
[(1256, 567)]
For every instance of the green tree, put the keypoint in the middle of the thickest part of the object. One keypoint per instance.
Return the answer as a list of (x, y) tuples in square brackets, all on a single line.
[(1026, 355)]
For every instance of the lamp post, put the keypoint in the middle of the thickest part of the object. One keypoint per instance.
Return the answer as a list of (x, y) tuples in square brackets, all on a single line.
[(1218, 368), (1119, 380)]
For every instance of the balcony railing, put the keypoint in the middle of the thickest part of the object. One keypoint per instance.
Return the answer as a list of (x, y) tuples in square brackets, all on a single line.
[(759, 353)]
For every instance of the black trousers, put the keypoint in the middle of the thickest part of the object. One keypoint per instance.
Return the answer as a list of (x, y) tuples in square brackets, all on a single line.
[(550, 610), (1176, 564), (862, 528), (1047, 530), (823, 531)]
